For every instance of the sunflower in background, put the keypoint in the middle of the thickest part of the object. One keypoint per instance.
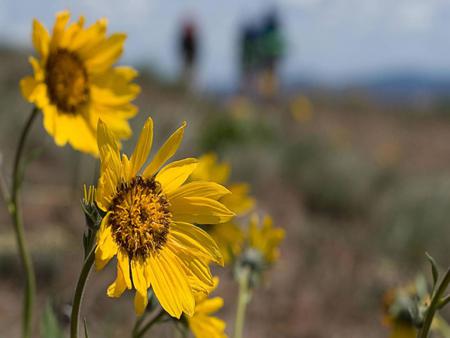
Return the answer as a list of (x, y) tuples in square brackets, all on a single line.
[(404, 310), (265, 238), (202, 324), (74, 82), (228, 236), (149, 223)]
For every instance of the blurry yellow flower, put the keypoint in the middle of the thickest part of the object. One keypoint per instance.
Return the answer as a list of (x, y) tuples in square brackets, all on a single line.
[(209, 169), (403, 331), (75, 83), (301, 109), (148, 222), (229, 236), (202, 324), (265, 239), (399, 304)]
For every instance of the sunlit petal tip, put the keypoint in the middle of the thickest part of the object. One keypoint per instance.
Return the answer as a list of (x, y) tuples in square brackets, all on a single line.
[(62, 14)]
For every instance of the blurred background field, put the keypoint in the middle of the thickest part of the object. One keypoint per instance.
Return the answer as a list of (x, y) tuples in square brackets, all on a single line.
[(357, 171)]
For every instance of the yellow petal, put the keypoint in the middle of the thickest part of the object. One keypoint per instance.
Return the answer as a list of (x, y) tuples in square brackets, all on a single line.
[(58, 29), (199, 210), (200, 189), (122, 281), (210, 170), (239, 200), (102, 57), (197, 270), (207, 327), (194, 239), (113, 87), (106, 138), (138, 271), (168, 149), (38, 68), (70, 33), (175, 174), (28, 87), (77, 131), (170, 283), (210, 305), (106, 246), (89, 38), (229, 238), (143, 147), (41, 39)]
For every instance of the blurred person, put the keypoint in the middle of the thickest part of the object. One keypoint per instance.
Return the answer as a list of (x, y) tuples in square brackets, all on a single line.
[(188, 49), (271, 51), (249, 55)]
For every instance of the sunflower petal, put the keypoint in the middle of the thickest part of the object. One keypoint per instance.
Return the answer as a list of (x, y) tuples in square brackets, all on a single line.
[(41, 39), (194, 239), (105, 54), (123, 280), (58, 29), (143, 147), (175, 174), (210, 305), (199, 210), (170, 284), (138, 272), (168, 149), (199, 189), (207, 327), (106, 247)]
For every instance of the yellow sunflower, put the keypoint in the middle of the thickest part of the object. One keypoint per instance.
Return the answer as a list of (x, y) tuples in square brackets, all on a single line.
[(265, 239), (202, 324), (228, 236), (74, 82), (148, 222), (209, 169)]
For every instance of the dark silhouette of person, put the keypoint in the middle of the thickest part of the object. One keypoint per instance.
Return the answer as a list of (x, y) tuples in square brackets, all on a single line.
[(188, 49)]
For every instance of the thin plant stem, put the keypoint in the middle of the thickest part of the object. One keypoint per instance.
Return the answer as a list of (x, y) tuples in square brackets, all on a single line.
[(140, 333), (434, 305), (79, 291), (16, 215), (243, 299), (137, 325)]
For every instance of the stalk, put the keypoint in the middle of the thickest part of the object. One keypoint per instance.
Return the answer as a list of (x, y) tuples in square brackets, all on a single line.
[(434, 306), (243, 299), (16, 216), (79, 291)]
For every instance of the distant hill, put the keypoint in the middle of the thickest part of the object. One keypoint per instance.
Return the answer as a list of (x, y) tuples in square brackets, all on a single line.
[(405, 85)]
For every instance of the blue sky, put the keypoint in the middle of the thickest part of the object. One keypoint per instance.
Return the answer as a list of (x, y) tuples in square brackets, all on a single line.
[(331, 40)]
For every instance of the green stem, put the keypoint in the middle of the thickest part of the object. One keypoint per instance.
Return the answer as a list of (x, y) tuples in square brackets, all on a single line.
[(79, 290), (140, 333), (16, 215), (243, 299), (137, 325), (434, 305)]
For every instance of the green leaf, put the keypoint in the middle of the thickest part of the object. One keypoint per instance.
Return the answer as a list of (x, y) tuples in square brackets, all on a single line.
[(444, 301), (434, 269), (49, 324)]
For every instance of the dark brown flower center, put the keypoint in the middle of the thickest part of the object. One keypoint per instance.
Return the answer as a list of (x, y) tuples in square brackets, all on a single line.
[(67, 81), (140, 217)]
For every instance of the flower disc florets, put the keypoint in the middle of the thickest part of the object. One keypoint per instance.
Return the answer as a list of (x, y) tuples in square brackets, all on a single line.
[(140, 217), (67, 81)]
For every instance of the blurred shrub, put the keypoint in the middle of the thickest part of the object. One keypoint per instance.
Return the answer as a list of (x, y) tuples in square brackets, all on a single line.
[(224, 130), (333, 180), (414, 216)]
